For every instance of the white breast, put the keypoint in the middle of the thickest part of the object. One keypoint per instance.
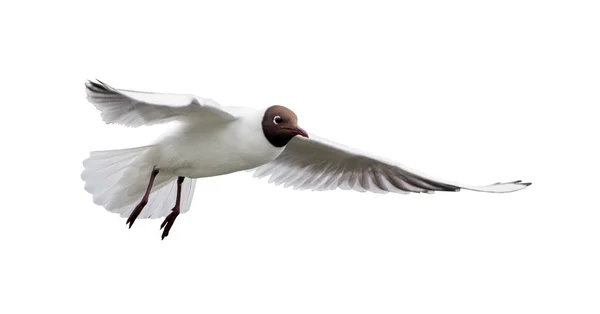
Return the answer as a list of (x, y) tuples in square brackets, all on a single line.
[(196, 151)]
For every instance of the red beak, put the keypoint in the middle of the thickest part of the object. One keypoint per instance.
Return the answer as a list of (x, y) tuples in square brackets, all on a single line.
[(300, 131)]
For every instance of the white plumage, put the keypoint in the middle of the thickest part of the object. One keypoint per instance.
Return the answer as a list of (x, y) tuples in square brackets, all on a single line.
[(318, 164), (109, 175), (133, 108), (213, 140)]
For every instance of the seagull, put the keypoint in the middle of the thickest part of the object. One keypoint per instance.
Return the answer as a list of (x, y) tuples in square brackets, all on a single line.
[(158, 180)]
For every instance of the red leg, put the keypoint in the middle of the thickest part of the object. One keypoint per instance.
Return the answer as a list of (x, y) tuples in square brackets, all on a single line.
[(170, 219), (138, 209)]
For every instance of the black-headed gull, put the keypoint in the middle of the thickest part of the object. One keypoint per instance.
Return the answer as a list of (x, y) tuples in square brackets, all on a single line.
[(212, 140)]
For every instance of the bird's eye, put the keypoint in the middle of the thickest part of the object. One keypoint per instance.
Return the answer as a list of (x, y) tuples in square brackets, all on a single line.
[(277, 119)]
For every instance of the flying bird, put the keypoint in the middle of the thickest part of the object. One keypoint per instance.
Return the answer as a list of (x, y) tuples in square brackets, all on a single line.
[(158, 180)]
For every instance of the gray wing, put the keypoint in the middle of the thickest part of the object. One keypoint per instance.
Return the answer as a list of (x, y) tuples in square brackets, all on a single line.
[(135, 108), (318, 164)]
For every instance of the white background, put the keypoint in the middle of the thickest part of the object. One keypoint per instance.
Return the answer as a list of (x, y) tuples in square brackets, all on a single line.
[(470, 92)]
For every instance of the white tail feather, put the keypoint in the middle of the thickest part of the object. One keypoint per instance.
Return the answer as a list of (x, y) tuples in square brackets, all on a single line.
[(117, 180)]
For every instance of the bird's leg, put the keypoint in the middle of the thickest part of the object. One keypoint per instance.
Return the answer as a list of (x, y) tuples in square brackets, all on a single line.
[(138, 209), (170, 219)]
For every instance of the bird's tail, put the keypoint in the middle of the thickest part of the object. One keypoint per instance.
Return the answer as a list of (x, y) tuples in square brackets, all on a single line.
[(117, 179)]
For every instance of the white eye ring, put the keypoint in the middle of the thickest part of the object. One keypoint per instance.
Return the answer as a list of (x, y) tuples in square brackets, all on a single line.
[(277, 120)]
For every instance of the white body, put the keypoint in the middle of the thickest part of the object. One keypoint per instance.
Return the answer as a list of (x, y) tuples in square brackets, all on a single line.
[(209, 140), (193, 149), (205, 150)]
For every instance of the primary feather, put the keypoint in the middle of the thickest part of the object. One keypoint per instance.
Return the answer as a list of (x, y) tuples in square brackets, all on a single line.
[(135, 108)]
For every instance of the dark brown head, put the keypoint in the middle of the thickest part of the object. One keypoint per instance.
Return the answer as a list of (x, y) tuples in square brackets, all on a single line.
[(280, 125)]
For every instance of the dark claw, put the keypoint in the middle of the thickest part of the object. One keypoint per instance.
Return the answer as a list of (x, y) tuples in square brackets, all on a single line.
[(168, 223), (136, 212)]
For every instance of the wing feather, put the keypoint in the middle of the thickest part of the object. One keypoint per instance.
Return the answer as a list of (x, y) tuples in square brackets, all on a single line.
[(318, 164), (135, 108)]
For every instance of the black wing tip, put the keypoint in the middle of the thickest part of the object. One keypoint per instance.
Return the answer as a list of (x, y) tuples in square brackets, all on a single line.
[(520, 182), (93, 82), (97, 86)]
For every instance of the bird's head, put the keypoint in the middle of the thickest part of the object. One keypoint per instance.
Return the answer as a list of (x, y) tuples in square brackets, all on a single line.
[(280, 125)]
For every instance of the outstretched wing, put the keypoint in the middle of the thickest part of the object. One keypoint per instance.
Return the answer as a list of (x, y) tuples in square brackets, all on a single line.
[(317, 164), (134, 108)]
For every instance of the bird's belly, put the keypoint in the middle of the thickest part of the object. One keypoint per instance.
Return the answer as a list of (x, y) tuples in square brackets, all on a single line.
[(216, 154), (218, 163)]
